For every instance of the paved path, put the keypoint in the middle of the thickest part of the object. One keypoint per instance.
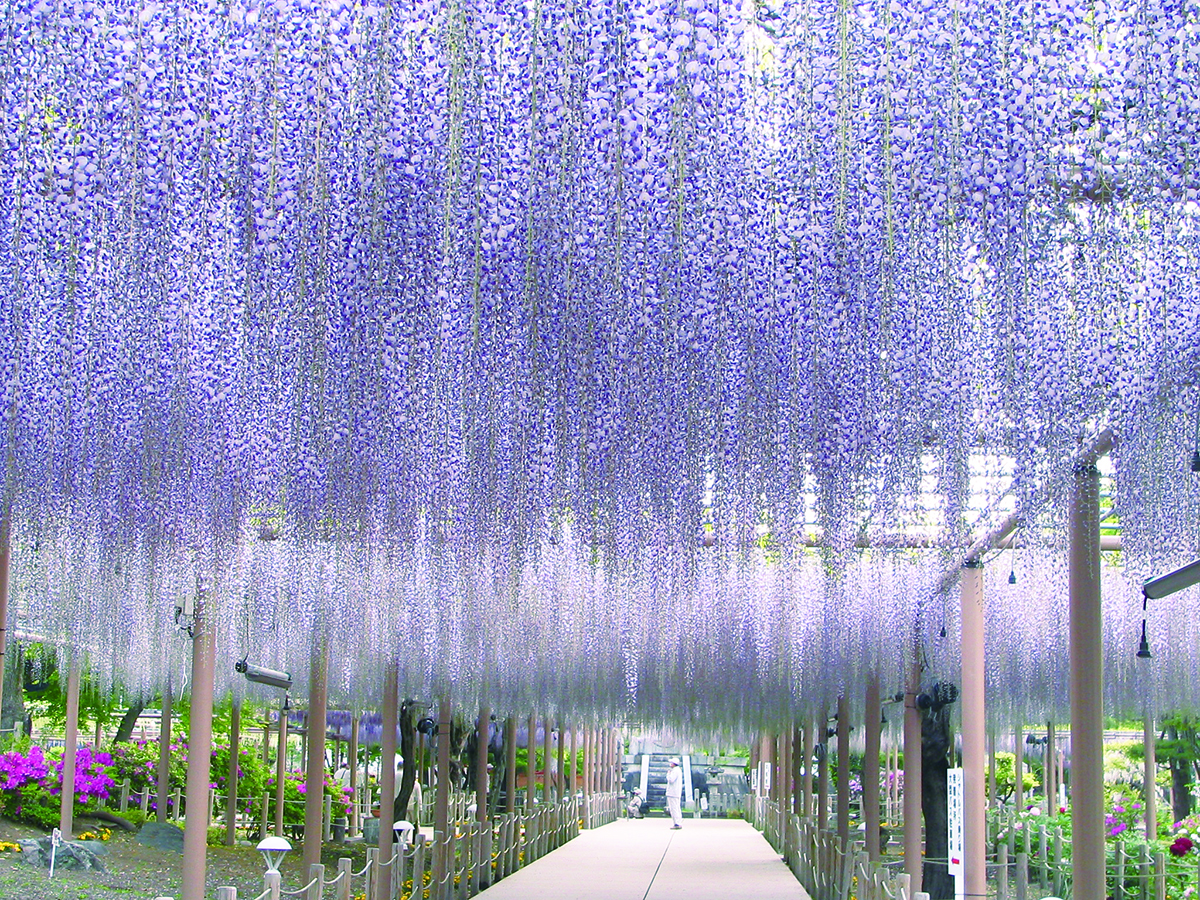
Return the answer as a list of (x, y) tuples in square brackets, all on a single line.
[(709, 859)]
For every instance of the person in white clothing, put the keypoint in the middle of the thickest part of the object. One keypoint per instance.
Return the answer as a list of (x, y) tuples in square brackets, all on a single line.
[(675, 793)]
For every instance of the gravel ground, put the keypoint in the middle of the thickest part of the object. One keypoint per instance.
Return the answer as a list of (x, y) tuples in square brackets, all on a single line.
[(137, 872)]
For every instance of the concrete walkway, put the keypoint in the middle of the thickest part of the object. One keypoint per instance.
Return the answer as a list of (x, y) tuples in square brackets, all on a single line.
[(709, 859)]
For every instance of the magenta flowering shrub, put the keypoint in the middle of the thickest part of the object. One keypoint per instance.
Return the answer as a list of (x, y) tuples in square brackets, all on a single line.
[(295, 790), (138, 761), (1123, 816), (31, 783), (252, 775)]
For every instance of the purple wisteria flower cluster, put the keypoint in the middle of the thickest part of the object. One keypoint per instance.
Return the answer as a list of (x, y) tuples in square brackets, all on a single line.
[(501, 332)]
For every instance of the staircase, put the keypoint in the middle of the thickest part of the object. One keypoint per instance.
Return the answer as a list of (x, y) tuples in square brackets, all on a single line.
[(654, 768)]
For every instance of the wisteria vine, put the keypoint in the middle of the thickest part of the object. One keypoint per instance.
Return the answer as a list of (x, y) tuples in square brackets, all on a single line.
[(571, 352)]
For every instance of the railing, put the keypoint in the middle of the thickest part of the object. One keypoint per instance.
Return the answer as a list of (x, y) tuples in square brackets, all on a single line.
[(1037, 863), (475, 856), (601, 809), (826, 868), (257, 815)]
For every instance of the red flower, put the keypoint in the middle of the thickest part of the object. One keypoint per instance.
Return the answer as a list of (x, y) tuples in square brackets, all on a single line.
[(1181, 846)]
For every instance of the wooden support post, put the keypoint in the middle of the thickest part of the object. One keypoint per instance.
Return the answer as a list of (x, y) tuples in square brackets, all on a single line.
[(1019, 770), (843, 779), (1150, 773), (510, 765), (530, 763), (823, 769), (314, 772), (912, 778), (587, 775), (5, 565), (441, 864), (973, 730), (231, 777), (66, 806), (1087, 703), (352, 762), (281, 766), (546, 760), (993, 800), (562, 771), (387, 776), (573, 774), (195, 832), (164, 753), (482, 730), (1050, 767), (806, 803), (870, 779)]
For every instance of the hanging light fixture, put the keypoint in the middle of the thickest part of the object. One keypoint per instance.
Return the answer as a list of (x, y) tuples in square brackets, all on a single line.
[(1143, 651)]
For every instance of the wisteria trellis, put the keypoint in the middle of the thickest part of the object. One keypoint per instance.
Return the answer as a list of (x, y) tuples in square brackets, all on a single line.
[(540, 334)]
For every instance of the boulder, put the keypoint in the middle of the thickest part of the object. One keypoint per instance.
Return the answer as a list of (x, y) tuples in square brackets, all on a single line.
[(161, 836), (69, 855)]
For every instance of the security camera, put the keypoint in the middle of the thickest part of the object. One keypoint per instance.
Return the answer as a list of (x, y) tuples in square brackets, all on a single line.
[(259, 675)]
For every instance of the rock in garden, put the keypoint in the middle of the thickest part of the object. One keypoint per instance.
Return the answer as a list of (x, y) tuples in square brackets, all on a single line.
[(161, 836), (69, 855)]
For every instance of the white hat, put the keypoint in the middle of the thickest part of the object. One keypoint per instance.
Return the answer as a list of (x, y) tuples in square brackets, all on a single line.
[(675, 761)]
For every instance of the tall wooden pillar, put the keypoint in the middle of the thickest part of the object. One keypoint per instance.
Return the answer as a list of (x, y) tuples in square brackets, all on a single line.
[(974, 728), (873, 715), (1087, 700), (66, 806), (823, 769), (843, 779), (195, 832), (1019, 769), (562, 771), (387, 776), (482, 735), (441, 862), (913, 864), (573, 774), (806, 802), (5, 565), (355, 825), (546, 796), (314, 774), (164, 754), (531, 763), (1051, 769), (510, 764), (231, 776)]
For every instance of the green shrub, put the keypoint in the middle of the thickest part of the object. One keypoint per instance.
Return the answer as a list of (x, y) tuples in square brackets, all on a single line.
[(138, 761)]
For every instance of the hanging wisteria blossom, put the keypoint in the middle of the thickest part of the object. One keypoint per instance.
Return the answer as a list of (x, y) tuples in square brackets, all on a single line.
[(574, 354)]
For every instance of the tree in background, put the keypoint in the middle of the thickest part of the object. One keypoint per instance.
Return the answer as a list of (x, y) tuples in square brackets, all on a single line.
[(1179, 747)]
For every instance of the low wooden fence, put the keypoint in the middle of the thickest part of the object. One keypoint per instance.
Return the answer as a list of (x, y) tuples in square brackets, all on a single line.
[(257, 815), (473, 856), (1033, 859), (826, 868)]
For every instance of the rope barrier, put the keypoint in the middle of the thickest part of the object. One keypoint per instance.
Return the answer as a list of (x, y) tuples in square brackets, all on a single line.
[(297, 893)]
